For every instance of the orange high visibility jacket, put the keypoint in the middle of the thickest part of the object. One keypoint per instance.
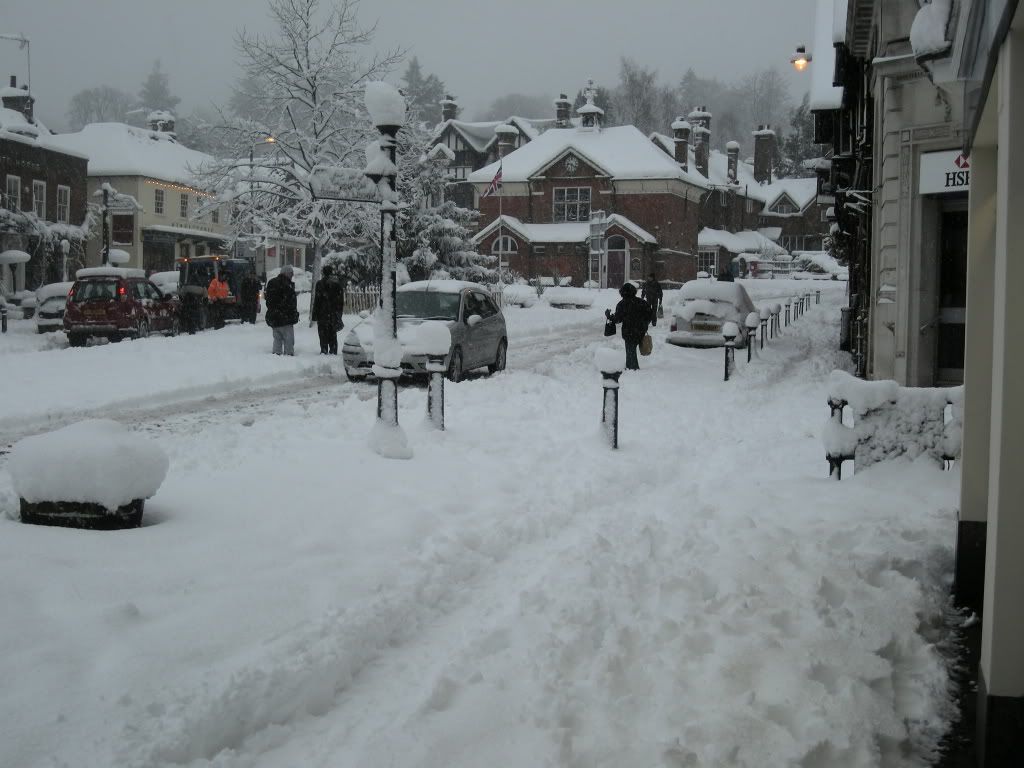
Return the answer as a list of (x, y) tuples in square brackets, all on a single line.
[(217, 290)]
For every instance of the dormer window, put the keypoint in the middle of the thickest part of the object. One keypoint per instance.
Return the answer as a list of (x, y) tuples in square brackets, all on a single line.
[(784, 205)]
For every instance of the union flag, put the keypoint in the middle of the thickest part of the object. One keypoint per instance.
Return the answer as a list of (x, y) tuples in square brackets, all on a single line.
[(495, 184)]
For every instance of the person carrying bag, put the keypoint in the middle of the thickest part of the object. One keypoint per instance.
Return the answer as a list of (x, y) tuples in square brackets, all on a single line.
[(635, 315)]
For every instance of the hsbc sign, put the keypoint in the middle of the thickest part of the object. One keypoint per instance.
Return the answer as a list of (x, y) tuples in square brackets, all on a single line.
[(944, 172)]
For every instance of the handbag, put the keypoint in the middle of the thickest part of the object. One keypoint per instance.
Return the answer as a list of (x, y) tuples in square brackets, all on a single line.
[(646, 345), (609, 328), (661, 311)]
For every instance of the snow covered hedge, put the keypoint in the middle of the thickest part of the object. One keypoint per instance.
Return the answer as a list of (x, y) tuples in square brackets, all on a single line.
[(891, 421)]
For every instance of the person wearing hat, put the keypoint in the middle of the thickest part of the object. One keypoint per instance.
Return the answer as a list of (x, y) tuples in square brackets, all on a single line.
[(328, 307), (282, 311), (635, 315)]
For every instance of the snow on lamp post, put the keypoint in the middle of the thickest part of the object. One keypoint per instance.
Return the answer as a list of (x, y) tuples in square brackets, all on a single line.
[(387, 110), (753, 320), (729, 332), (610, 363)]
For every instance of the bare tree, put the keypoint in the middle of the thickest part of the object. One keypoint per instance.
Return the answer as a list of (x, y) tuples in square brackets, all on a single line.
[(103, 104)]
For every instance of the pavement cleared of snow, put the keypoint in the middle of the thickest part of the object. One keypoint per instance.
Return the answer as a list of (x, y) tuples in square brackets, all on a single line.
[(517, 594)]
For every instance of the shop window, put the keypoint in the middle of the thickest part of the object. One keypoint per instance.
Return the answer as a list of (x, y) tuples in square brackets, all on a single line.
[(63, 204), (123, 229)]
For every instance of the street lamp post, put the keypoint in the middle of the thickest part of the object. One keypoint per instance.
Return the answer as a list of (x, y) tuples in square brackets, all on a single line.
[(387, 110)]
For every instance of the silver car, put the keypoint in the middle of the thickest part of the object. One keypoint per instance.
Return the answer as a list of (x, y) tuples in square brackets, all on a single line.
[(704, 307), (475, 321)]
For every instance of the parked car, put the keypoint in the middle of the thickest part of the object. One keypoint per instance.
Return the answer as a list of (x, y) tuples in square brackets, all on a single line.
[(476, 324), (167, 282), (703, 307), (117, 303), (51, 300)]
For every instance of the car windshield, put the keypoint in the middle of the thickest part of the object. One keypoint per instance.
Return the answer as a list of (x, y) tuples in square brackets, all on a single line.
[(95, 290), (427, 305)]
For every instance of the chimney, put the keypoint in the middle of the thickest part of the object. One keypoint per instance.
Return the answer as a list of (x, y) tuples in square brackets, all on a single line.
[(562, 109), (449, 108), (681, 134), (732, 151), (18, 99), (161, 121), (700, 119), (764, 151), (507, 135)]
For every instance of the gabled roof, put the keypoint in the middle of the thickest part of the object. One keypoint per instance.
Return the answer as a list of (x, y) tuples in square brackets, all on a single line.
[(622, 151), (480, 135), (563, 232), (116, 149)]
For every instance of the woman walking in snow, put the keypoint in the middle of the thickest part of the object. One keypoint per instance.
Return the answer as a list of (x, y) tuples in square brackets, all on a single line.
[(635, 315)]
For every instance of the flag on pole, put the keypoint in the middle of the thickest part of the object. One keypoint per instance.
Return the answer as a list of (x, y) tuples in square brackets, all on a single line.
[(495, 184)]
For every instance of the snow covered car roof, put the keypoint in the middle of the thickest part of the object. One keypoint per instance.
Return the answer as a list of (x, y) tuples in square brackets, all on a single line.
[(714, 290), (50, 290), (108, 272), (441, 286)]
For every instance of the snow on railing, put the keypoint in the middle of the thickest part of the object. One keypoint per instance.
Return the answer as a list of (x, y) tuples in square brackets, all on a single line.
[(890, 421)]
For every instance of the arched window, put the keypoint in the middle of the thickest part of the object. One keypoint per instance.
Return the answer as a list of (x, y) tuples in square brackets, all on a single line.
[(616, 243), (504, 246)]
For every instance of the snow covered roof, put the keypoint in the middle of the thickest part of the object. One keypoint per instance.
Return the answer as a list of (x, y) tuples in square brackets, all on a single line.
[(563, 232), (746, 241), (480, 135), (824, 95), (622, 152), (116, 149), (772, 233), (108, 272), (928, 30), (16, 127), (713, 290), (439, 286)]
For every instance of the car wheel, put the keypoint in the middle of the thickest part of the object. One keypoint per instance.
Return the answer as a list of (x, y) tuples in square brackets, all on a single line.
[(455, 371), (142, 330), (77, 339), (499, 358)]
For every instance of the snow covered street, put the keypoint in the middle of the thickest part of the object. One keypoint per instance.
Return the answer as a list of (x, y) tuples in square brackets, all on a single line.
[(517, 594)]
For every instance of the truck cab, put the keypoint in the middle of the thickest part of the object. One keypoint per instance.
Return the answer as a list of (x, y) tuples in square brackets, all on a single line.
[(196, 273)]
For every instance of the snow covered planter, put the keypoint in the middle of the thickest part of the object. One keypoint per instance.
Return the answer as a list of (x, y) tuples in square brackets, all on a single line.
[(92, 474), (569, 298), (890, 421)]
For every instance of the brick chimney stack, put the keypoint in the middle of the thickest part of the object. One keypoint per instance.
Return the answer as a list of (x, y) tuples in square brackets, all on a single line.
[(732, 151), (18, 99), (161, 120), (681, 135), (764, 151), (563, 108), (507, 135), (700, 119), (449, 108)]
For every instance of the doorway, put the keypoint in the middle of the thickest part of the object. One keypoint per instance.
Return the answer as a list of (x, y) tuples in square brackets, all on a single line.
[(618, 258), (949, 364)]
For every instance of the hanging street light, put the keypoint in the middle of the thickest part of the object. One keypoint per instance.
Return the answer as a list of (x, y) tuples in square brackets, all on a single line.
[(800, 59)]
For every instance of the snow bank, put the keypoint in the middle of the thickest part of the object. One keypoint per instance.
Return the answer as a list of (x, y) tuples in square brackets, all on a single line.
[(928, 30), (520, 295), (569, 297), (97, 461)]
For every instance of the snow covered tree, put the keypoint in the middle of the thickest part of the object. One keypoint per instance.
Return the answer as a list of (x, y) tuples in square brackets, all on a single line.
[(424, 94), (798, 145), (305, 128), (156, 92)]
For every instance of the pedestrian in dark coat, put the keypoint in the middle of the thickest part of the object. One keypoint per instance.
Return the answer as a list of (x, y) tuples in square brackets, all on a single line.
[(652, 294), (249, 295), (725, 276), (328, 308), (282, 311), (635, 315)]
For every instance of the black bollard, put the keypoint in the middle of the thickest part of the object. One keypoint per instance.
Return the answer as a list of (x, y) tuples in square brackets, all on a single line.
[(3, 319), (435, 391), (817, 297), (610, 406), (787, 313)]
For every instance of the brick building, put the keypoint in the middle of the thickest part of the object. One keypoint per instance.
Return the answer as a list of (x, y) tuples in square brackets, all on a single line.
[(657, 194), (43, 195)]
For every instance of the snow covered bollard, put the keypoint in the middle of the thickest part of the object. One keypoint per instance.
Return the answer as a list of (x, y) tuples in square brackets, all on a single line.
[(434, 339), (610, 363), (91, 474), (776, 324), (765, 314), (729, 332), (788, 303), (840, 441), (753, 320)]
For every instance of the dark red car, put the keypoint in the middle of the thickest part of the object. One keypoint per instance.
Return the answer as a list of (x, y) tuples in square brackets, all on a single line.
[(117, 303)]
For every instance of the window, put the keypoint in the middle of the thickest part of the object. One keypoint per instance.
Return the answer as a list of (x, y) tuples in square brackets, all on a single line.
[(784, 205), (504, 245), (63, 204), (215, 216), (12, 198), (183, 206), (538, 250), (123, 228), (571, 204), (750, 205), (158, 202), (39, 198), (484, 307), (824, 212), (291, 255), (707, 261)]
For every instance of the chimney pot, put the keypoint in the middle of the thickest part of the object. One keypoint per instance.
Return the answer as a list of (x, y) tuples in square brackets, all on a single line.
[(14, 81), (764, 150), (449, 108), (562, 110), (681, 134)]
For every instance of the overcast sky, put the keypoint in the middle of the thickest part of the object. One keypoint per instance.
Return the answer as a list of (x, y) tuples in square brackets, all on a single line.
[(481, 49)]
